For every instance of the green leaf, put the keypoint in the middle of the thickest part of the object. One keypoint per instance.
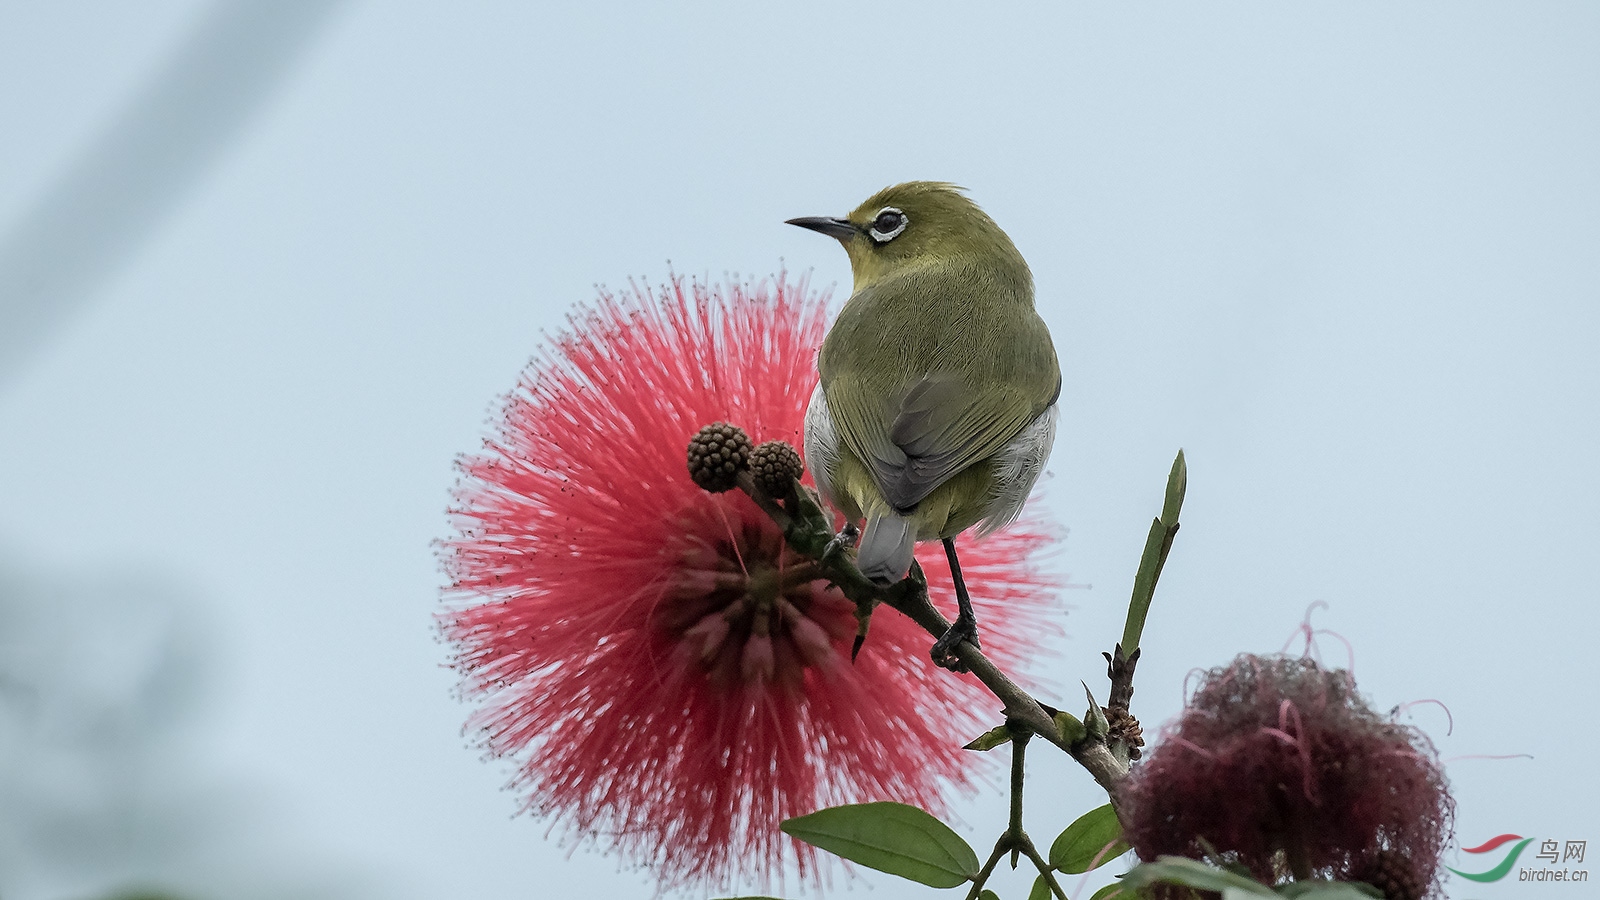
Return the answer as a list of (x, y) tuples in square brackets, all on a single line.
[(994, 737), (1330, 890), (1070, 729), (1177, 486), (890, 837), (1089, 843), (1094, 718), (1156, 546), (988, 895), (1195, 874), (1144, 586), (1114, 889), (1041, 889)]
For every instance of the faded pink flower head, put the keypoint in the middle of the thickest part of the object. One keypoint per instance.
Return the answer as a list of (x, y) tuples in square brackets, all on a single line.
[(1277, 762), (669, 679)]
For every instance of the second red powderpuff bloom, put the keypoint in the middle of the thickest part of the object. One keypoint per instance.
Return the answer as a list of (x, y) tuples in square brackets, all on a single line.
[(1278, 764), (669, 678)]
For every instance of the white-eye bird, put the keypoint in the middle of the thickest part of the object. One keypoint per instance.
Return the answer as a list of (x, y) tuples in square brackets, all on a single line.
[(936, 408)]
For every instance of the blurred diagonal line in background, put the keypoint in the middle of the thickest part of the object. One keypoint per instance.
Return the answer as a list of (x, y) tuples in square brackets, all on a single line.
[(137, 170)]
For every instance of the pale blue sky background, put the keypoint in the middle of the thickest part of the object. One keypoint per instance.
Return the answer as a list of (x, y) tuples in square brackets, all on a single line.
[(1346, 255)]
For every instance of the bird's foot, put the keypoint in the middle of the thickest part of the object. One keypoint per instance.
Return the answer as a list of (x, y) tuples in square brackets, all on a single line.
[(944, 649), (844, 540)]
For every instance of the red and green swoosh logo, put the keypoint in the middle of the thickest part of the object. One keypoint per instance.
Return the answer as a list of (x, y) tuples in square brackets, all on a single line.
[(1492, 844)]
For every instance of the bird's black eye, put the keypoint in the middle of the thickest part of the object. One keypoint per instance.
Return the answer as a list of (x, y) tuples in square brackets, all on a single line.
[(888, 225)]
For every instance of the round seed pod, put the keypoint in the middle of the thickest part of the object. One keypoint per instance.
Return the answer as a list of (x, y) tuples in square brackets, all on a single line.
[(717, 454), (775, 465)]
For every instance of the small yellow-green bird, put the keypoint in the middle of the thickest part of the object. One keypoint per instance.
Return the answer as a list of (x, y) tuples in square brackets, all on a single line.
[(937, 405)]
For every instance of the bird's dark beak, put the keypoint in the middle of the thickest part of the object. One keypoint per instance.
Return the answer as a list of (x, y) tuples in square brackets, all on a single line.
[(843, 229)]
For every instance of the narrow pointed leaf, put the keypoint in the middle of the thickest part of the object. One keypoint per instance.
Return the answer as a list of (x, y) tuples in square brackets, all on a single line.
[(994, 737), (1156, 546), (1094, 718), (1177, 486), (890, 837), (1144, 585), (1092, 841)]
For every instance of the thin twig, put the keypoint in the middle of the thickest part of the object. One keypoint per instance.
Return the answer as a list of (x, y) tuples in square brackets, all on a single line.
[(1000, 848), (1019, 746), (1044, 870), (1016, 841)]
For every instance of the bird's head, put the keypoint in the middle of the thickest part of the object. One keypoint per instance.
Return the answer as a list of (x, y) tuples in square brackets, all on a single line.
[(915, 224)]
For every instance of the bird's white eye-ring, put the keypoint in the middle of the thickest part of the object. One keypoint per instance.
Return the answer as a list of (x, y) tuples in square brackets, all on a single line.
[(888, 225)]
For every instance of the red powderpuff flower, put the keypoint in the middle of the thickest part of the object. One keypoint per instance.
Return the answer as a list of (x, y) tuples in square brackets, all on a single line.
[(670, 680), (1277, 764)]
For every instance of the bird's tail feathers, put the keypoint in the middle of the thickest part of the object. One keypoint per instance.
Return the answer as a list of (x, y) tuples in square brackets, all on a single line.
[(886, 547)]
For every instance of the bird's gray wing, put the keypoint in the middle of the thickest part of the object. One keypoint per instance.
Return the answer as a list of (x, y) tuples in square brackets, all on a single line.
[(934, 429)]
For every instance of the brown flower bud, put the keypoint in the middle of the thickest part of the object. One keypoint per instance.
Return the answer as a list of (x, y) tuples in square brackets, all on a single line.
[(775, 465), (1125, 728), (717, 454)]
